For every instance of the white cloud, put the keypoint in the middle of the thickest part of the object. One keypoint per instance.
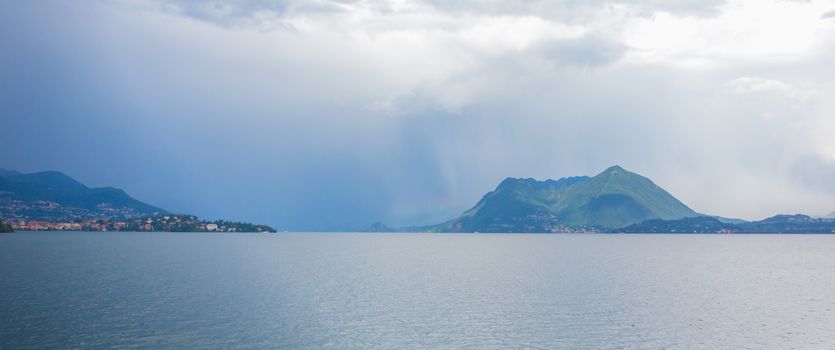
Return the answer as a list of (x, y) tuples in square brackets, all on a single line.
[(744, 32), (752, 85)]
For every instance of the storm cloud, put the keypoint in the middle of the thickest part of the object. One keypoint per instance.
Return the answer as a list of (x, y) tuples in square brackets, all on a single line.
[(336, 114)]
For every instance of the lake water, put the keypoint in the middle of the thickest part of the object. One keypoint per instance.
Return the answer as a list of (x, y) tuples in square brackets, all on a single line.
[(361, 291)]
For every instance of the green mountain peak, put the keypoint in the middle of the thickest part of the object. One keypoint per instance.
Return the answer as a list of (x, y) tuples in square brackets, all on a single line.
[(54, 196), (611, 199)]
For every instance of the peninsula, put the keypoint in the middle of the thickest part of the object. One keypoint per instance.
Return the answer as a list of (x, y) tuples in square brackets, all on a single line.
[(51, 200)]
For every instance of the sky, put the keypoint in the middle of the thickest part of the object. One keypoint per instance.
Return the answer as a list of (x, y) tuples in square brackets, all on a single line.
[(328, 115)]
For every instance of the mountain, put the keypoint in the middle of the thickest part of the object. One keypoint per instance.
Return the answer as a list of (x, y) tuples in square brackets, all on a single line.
[(729, 220), (614, 198), (831, 215), (380, 227), (796, 223), (54, 196)]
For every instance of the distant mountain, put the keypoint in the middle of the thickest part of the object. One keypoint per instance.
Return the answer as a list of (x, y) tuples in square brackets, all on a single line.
[(5, 172), (611, 199), (831, 215), (54, 196), (380, 227), (729, 220), (796, 223)]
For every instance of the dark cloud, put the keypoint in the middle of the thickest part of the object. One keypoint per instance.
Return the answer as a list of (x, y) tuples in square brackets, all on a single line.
[(337, 127), (249, 11)]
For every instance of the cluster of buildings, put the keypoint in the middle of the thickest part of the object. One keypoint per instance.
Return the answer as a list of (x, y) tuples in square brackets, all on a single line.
[(160, 223), (45, 226), (41, 213), (572, 229), (91, 225)]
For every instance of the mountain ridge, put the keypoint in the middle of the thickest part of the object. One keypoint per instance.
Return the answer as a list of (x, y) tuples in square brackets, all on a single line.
[(781, 223), (54, 196), (613, 198), (52, 200)]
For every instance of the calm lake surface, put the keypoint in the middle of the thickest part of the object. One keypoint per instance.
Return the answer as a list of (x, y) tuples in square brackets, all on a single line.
[(314, 291)]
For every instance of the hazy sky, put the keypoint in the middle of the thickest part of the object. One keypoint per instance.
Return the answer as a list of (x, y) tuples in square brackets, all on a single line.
[(329, 114)]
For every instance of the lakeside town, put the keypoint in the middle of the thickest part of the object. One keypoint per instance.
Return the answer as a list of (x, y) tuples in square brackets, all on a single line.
[(53, 201), (154, 223), (16, 210)]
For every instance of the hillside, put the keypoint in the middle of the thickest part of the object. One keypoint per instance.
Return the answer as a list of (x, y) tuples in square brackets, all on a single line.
[(796, 223), (699, 224), (54, 196), (614, 198)]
